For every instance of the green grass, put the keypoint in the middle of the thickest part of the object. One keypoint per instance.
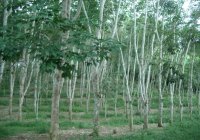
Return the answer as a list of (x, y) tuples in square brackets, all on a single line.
[(184, 131), (75, 124), (188, 130), (11, 128), (4, 102), (81, 120), (117, 121)]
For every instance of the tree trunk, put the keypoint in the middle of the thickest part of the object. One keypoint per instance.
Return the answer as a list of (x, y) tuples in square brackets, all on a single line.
[(38, 96), (180, 100), (146, 113), (180, 82), (172, 102), (160, 110), (70, 108), (12, 84), (88, 89), (58, 81), (36, 90), (98, 72), (96, 114), (23, 73), (82, 85), (131, 117), (6, 14), (105, 108), (117, 85), (191, 87), (199, 101)]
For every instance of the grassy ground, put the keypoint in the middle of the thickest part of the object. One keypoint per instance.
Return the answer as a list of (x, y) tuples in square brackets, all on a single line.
[(82, 121)]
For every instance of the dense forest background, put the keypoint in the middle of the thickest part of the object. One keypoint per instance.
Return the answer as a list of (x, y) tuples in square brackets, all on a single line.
[(104, 66)]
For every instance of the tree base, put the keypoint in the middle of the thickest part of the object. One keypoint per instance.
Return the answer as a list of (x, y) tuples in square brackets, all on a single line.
[(160, 125)]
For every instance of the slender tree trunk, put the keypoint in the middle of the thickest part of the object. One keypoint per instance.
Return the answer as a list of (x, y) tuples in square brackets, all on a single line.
[(6, 14), (199, 101), (96, 114), (144, 94), (98, 72), (116, 20), (191, 87), (2, 65), (160, 110), (86, 15), (105, 108), (23, 75), (70, 108), (117, 85), (82, 88), (180, 100), (58, 81), (12, 84), (146, 114), (172, 102), (128, 95), (180, 82), (54, 130), (133, 78), (88, 89), (72, 86), (38, 95), (37, 89), (70, 99)]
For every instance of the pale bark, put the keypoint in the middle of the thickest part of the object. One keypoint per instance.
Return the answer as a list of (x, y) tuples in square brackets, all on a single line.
[(80, 2), (160, 79), (71, 92), (133, 78), (116, 20), (142, 70), (58, 80), (82, 85), (12, 84), (70, 100), (180, 82), (38, 97), (128, 99), (199, 101), (98, 74), (6, 14), (117, 85), (57, 87), (172, 102), (191, 86), (24, 78), (171, 86), (128, 94), (2, 65), (99, 30), (37, 89), (86, 15), (88, 89)]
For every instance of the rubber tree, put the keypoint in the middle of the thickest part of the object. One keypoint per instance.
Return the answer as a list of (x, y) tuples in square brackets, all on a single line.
[(142, 64), (6, 14), (58, 81), (97, 73), (25, 79), (12, 84)]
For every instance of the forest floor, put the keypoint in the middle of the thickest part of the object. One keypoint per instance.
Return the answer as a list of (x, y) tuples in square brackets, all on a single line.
[(81, 125), (76, 132), (68, 134)]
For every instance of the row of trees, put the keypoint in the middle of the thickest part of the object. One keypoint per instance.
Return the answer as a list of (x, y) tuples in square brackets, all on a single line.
[(139, 45)]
